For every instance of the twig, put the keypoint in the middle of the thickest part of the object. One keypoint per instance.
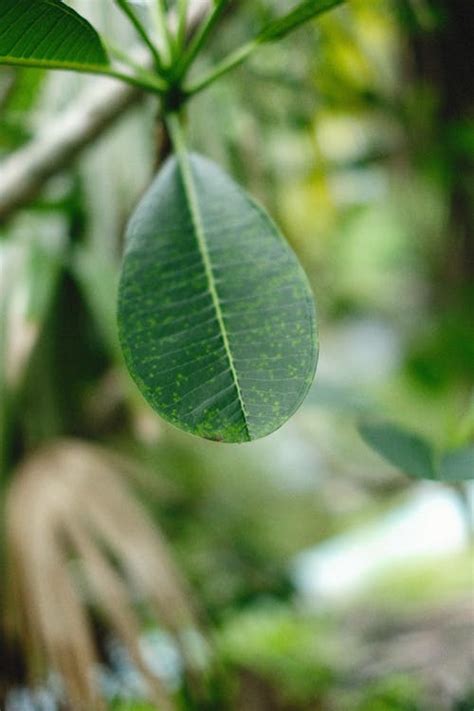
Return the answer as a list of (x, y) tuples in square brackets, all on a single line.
[(201, 36), (141, 31), (231, 62), (24, 173)]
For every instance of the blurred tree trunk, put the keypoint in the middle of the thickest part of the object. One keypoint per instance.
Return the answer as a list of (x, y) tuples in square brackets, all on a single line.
[(443, 58)]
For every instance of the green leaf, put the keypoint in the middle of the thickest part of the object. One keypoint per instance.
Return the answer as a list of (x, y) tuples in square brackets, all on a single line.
[(216, 317), (341, 398), (303, 12), (50, 34), (405, 450), (458, 465)]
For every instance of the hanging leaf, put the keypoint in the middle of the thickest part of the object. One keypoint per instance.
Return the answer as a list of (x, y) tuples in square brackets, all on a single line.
[(216, 317), (405, 450), (303, 12), (48, 33), (458, 465)]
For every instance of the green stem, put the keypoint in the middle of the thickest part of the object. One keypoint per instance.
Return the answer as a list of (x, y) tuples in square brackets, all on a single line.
[(229, 63), (166, 36), (152, 83), (141, 73), (173, 122), (182, 22), (121, 56), (201, 37), (127, 10)]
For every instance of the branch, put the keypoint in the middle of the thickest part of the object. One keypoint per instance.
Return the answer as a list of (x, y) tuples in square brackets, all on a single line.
[(24, 173), (141, 31)]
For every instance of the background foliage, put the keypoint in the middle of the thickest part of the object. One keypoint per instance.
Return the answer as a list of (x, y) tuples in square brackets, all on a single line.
[(306, 586)]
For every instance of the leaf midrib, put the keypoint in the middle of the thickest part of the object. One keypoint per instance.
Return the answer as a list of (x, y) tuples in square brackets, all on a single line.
[(36, 63), (196, 217)]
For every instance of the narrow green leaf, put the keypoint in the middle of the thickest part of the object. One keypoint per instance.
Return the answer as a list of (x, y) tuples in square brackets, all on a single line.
[(216, 317), (458, 465), (48, 33), (405, 450), (304, 11)]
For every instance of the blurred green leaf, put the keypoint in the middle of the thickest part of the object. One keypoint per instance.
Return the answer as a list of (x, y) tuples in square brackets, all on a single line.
[(49, 34), (216, 316), (394, 693), (405, 450), (97, 280), (341, 398), (281, 646), (43, 269), (303, 12), (458, 464)]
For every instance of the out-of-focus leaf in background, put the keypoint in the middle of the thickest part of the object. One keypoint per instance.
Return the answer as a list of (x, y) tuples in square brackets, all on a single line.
[(300, 14), (48, 33), (458, 464), (405, 450)]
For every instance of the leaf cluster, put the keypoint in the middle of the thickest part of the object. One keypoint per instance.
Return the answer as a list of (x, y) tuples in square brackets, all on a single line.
[(416, 456), (50, 34), (216, 317)]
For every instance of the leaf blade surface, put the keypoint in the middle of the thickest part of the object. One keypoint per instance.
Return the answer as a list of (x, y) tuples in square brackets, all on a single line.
[(50, 34), (216, 317), (457, 464), (303, 12), (405, 450)]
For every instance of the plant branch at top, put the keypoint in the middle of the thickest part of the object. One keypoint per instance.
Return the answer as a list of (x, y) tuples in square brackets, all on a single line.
[(23, 175), (273, 31), (164, 29), (231, 62), (200, 38), (135, 21), (181, 24)]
